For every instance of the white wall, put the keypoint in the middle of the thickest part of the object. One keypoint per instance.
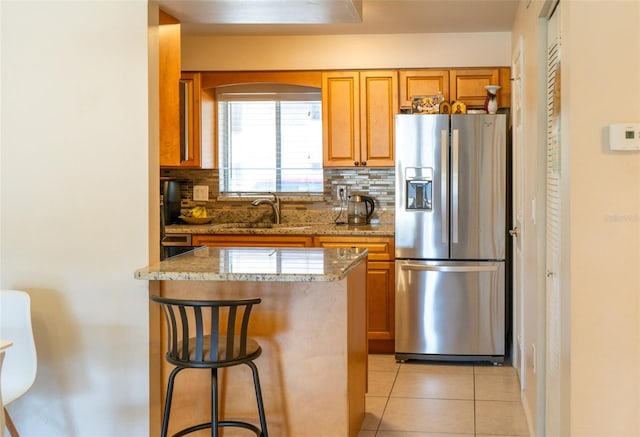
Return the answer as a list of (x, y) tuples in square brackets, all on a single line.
[(603, 245), (313, 52), (600, 283), (74, 209)]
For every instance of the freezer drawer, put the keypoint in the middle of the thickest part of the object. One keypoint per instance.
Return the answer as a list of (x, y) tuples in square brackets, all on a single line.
[(450, 310)]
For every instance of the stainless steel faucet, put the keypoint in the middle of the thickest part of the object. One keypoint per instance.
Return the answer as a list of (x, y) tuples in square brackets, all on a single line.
[(275, 205)]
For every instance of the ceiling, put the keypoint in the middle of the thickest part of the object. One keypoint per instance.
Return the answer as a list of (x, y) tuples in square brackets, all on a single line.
[(300, 17)]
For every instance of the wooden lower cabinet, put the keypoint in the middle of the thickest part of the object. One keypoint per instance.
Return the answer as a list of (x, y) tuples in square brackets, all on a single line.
[(381, 299), (380, 286), (380, 273), (220, 240)]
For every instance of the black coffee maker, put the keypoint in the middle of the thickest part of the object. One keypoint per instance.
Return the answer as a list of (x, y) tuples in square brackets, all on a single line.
[(170, 197)]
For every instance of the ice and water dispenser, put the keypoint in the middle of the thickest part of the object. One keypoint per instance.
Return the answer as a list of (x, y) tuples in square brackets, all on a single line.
[(419, 188)]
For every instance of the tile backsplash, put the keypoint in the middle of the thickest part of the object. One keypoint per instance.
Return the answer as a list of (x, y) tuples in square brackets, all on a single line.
[(375, 182)]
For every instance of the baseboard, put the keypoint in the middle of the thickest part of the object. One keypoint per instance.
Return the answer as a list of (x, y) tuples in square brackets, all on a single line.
[(381, 346)]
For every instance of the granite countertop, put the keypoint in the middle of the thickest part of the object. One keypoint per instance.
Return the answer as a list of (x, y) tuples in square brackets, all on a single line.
[(284, 229), (255, 264)]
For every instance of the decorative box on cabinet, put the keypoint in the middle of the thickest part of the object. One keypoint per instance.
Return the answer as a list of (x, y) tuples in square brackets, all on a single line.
[(358, 109), (380, 286)]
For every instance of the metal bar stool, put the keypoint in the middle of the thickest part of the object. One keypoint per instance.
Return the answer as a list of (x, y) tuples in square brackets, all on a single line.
[(225, 343)]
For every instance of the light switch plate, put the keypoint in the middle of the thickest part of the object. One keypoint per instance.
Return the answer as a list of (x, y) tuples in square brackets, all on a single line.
[(200, 193)]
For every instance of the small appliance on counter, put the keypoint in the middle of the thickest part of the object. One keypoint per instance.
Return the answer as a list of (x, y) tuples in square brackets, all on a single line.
[(170, 198), (360, 210)]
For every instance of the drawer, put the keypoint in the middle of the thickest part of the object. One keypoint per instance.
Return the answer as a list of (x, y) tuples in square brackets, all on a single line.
[(219, 240), (380, 248)]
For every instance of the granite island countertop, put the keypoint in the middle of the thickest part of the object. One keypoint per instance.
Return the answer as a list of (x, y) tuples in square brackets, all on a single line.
[(381, 230), (256, 264)]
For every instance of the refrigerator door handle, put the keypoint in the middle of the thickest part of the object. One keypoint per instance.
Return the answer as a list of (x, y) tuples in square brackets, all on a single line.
[(443, 184), (454, 186), (449, 269)]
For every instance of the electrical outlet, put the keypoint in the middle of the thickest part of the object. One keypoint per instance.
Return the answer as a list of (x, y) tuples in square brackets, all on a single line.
[(200, 193), (341, 192)]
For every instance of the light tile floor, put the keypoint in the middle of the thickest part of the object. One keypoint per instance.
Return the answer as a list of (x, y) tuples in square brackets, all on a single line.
[(420, 399)]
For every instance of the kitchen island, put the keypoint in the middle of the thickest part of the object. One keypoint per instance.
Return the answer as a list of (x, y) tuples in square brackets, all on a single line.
[(311, 325)]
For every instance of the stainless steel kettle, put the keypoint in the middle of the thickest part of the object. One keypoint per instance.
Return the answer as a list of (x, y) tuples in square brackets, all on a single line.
[(360, 210)]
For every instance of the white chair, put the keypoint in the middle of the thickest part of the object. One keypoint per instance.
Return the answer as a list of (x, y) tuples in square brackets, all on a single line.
[(20, 362), (3, 346)]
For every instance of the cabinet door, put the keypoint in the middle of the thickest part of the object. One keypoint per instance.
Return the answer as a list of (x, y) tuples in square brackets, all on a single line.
[(221, 240), (468, 85), (504, 93), (168, 93), (380, 282), (381, 300), (194, 146), (189, 120), (422, 83), (341, 118), (378, 106)]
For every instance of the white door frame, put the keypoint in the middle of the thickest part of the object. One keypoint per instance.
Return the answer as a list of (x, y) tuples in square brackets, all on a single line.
[(518, 230)]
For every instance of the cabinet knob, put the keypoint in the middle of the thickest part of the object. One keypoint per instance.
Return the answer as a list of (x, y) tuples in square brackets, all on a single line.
[(356, 163), (363, 163)]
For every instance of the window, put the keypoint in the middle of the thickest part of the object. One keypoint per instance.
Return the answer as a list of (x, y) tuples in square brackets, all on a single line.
[(269, 138)]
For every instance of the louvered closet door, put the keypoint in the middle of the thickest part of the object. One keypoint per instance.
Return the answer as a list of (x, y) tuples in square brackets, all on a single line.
[(553, 228)]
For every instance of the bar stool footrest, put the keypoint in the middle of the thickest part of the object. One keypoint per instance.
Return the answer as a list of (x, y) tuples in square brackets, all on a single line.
[(207, 425)]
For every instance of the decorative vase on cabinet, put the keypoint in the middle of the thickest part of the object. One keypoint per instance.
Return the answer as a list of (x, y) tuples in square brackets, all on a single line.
[(491, 101)]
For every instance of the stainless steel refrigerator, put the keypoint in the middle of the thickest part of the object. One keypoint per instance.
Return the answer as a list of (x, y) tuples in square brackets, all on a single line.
[(450, 232)]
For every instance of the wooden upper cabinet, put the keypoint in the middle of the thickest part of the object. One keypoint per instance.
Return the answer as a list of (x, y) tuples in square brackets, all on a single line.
[(422, 83), (196, 118), (341, 118), (467, 85), (504, 93), (169, 89), (358, 111), (189, 119), (181, 104), (378, 106)]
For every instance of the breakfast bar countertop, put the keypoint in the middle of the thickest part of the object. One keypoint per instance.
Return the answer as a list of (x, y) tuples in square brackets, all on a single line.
[(370, 230), (256, 264)]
